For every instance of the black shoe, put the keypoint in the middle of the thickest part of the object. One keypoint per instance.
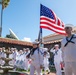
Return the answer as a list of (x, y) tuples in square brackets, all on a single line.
[(62, 69), (48, 73)]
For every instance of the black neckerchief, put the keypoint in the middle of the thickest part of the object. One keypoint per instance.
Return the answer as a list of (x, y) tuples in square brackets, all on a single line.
[(56, 52), (33, 50), (69, 41)]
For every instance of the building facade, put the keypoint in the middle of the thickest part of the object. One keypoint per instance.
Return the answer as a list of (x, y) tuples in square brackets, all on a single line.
[(7, 42)]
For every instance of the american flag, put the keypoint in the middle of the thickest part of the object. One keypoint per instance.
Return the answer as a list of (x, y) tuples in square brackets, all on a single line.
[(49, 20)]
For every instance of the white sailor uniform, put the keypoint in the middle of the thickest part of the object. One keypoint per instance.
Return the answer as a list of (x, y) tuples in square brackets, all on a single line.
[(46, 62), (37, 60), (69, 54), (57, 60)]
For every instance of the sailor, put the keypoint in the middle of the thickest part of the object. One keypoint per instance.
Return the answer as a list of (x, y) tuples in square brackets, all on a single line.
[(17, 60), (21, 59), (68, 46), (13, 50), (46, 61), (37, 59), (3, 55), (57, 58), (0, 56), (26, 59), (13, 56)]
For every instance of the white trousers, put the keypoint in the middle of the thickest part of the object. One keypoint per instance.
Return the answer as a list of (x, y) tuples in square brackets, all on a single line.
[(58, 68), (70, 68), (26, 65), (46, 67), (33, 68)]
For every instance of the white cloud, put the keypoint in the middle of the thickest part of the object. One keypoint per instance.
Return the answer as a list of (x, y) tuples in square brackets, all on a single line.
[(26, 39)]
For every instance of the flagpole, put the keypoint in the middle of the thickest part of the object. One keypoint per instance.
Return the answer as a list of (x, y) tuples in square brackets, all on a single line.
[(1, 19)]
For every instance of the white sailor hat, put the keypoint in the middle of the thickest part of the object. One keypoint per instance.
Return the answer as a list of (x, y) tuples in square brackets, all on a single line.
[(56, 45), (12, 48), (36, 43), (27, 49), (45, 49), (68, 25)]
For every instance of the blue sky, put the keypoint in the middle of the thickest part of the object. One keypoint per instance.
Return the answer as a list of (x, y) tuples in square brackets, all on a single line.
[(23, 16)]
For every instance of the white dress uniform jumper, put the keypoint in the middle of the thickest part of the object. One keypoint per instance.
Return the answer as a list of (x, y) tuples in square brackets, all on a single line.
[(37, 60), (69, 54), (57, 60)]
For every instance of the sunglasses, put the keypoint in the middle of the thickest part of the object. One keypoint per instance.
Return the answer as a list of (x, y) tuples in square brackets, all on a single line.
[(67, 27)]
